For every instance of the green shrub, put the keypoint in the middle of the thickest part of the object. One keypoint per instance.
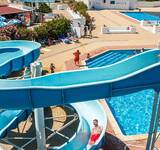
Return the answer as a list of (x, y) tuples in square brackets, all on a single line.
[(40, 32), (25, 34), (4, 38), (58, 27), (53, 29), (44, 8)]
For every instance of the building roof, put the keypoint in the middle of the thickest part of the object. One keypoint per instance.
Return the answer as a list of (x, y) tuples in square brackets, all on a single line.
[(5, 10)]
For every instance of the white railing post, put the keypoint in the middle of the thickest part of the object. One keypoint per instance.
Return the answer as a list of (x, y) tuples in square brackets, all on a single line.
[(36, 70), (40, 128)]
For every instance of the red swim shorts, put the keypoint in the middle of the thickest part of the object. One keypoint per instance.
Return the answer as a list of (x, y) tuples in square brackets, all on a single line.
[(94, 137)]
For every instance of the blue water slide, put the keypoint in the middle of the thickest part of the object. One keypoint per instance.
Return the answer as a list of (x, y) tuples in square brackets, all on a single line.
[(82, 134), (130, 75), (13, 51), (14, 55), (87, 111), (9, 119)]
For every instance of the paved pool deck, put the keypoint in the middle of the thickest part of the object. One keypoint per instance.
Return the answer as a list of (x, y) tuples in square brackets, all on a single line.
[(60, 53)]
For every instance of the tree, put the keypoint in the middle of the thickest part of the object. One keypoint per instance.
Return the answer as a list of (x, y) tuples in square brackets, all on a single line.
[(52, 29), (58, 27), (44, 8), (82, 9)]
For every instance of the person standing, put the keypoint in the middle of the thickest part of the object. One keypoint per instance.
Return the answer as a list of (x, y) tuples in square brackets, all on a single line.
[(76, 57), (88, 55), (52, 68)]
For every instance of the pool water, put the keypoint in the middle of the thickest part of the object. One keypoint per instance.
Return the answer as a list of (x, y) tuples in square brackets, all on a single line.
[(132, 112), (142, 16), (110, 57)]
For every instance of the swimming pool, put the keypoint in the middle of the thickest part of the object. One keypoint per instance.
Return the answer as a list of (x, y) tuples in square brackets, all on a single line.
[(132, 112), (141, 16), (110, 57)]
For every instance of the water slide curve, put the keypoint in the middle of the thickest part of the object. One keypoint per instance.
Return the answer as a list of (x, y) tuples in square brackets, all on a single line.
[(15, 55), (130, 75), (18, 54)]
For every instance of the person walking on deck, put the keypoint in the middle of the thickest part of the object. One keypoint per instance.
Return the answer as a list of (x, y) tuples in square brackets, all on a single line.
[(76, 57)]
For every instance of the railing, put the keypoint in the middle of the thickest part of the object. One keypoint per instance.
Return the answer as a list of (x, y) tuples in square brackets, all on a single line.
[(152, 26), (150, 22)]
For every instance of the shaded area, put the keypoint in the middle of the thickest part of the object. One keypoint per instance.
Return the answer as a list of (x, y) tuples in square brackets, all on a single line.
[(27, 129), (69, 131), (113, 143)]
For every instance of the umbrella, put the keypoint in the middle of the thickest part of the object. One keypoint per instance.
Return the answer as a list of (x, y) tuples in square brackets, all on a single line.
[(2, 18), (2, 24), (13, 21)]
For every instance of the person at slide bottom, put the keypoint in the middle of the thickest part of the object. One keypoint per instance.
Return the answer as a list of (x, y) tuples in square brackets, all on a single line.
[(76, 57), (96, 132)]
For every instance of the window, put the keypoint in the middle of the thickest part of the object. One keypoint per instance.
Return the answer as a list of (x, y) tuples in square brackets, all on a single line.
[(104, 1), (112, 2)]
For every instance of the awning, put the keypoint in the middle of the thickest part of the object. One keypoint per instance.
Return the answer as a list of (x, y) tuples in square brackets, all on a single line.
[(5, 10)]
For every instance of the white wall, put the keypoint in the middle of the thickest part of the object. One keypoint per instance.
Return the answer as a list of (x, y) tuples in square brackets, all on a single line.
[(148, 4), (119, 4), (78, 23)]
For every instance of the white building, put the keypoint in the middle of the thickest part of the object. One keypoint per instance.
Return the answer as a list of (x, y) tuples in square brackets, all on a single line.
[(78, 23), (110, 4)]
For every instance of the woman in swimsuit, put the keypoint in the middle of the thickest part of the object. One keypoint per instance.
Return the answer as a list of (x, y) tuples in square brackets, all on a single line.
[(76, 57)]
